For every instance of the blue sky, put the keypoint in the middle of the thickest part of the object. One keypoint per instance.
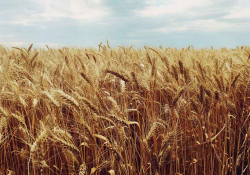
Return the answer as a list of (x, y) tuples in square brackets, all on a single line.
[(86, 23)]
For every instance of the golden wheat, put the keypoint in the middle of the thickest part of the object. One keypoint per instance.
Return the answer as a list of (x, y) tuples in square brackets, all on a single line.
[(124, 111)]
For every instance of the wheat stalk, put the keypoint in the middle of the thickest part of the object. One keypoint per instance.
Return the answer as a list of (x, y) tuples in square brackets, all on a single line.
[(119, 75), (67, 98)]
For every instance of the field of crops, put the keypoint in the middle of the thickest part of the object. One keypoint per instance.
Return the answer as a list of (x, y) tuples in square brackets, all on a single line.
[(125, 111)]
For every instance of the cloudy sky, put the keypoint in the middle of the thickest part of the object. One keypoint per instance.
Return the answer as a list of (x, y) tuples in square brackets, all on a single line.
[(86, 23)]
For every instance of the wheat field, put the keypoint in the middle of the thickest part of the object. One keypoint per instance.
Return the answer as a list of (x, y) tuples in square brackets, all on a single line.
[(125, 111)]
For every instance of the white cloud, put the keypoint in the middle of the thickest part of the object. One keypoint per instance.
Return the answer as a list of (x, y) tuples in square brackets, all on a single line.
[(209, 25), (26, 44), (199, 15), (152, 18), (171, 29), (154, 2), (21, 20), (212, 25), (51, 45), (241, 10), (7, 36), (13, 44), (54, 10), (136, 40), (130, 1), (171, 7), (76, 9), (242, 13), (133, 35)]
